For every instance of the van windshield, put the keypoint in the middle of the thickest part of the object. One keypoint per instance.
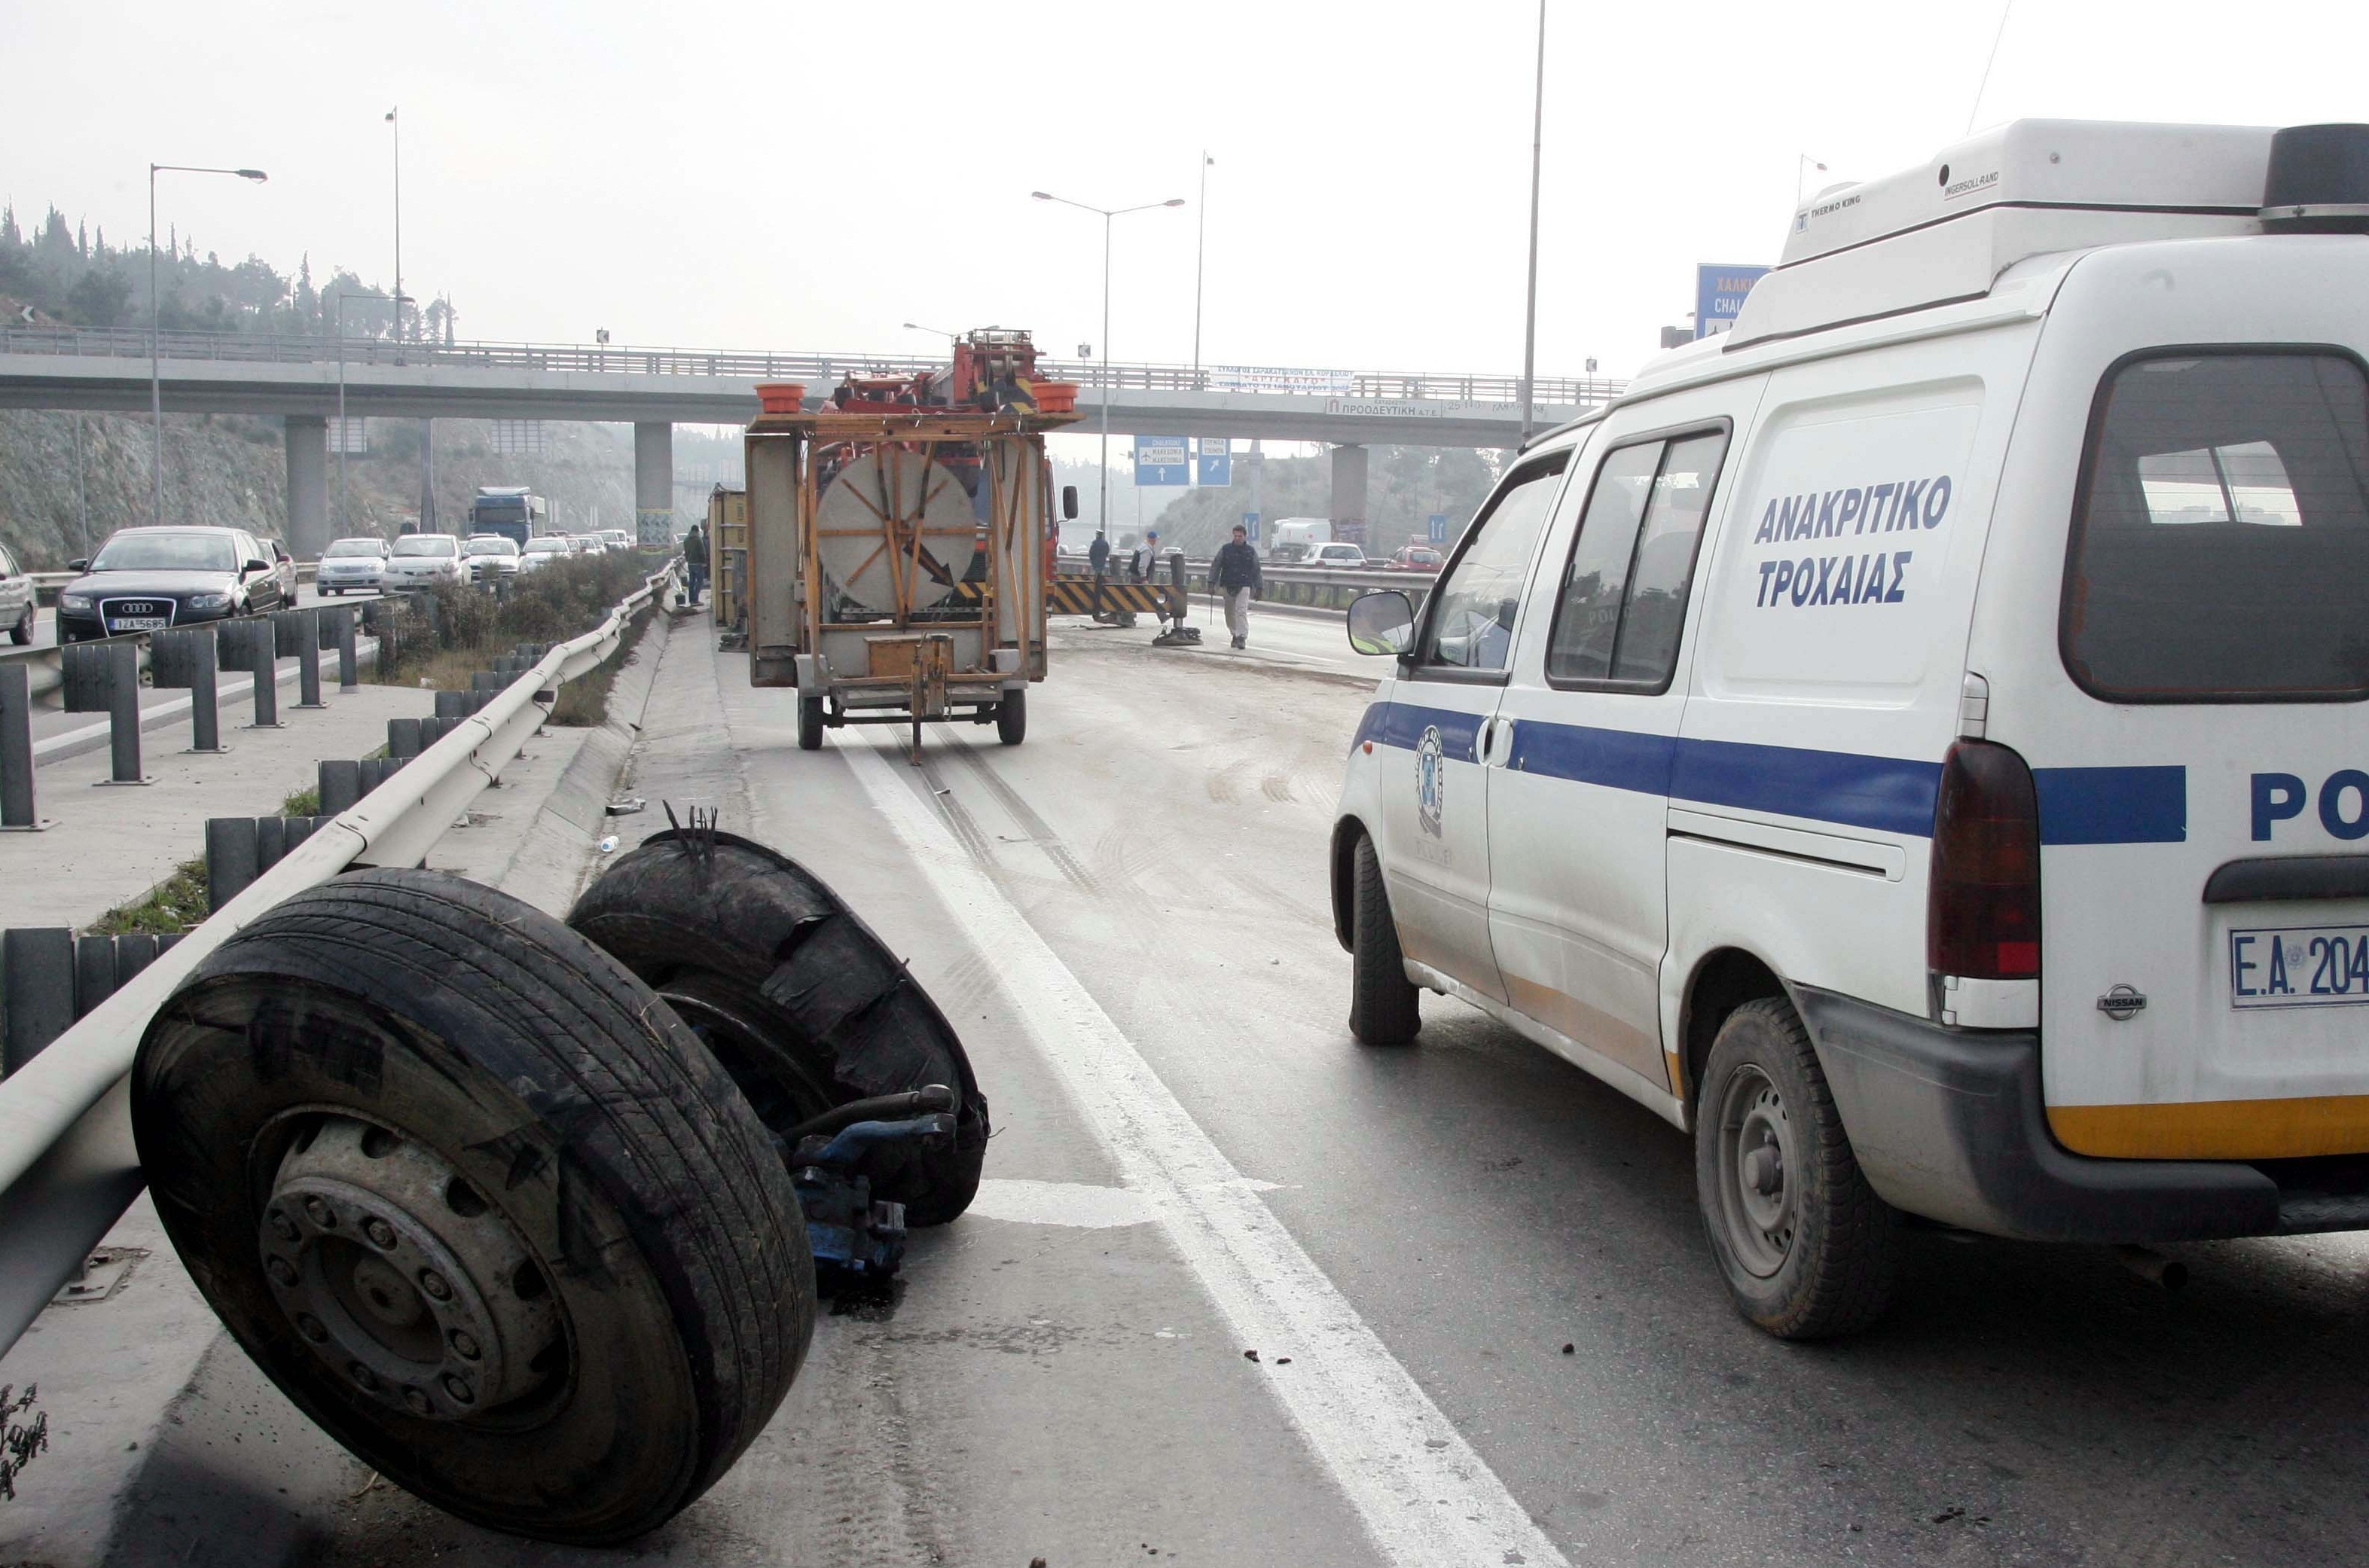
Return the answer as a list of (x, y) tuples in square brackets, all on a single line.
[(2221, 535)]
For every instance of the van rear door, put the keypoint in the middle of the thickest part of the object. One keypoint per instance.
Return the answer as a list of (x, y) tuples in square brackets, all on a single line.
[(2203, 792)]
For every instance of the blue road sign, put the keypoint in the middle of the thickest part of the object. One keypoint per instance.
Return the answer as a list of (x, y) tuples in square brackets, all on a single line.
[(1251, 525), (1719, 295), (1163, 460), (1214, 460), (1438, 522)]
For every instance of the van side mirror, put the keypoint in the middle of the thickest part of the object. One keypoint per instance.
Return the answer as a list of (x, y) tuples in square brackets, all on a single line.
[(1382, 622), (1069, 503)]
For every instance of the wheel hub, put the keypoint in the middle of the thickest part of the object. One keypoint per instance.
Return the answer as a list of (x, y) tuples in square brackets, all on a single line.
[(401, 1277), (1757, 1203)]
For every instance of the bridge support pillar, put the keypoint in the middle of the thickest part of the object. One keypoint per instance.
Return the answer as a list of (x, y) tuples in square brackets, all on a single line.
[(308, 486), (1348, 508), (653, 484)]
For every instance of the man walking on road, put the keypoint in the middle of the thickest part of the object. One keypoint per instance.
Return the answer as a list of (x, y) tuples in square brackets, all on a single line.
[(1098, 554), (1235, 579)]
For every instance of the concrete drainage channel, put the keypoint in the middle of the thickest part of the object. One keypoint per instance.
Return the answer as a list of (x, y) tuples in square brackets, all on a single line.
[(530, 1215)]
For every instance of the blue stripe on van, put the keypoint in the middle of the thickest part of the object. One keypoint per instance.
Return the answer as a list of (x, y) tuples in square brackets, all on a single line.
[(1892, 794), (2112, 806)]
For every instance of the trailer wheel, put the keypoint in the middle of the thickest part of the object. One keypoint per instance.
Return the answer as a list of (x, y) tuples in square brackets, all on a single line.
[(479, 1207), (800, 1002), (1011, 717), (1807, 1248), (1385, 1007), (810, 722)]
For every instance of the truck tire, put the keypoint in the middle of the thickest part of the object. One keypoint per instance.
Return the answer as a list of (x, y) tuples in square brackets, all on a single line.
[(1385, 1007), (1808, 1250), (1012, 718), (802, 1004), (809, 722), (476, 1203)]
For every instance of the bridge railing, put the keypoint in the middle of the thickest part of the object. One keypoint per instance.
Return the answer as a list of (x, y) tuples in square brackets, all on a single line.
[(819, 372)]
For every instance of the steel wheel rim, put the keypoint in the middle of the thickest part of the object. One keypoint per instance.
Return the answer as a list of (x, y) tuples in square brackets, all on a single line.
[(1758, 1186)]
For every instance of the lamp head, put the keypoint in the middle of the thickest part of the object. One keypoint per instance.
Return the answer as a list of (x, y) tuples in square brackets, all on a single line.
[(255, 175), (1041, 195), (1177, 202)]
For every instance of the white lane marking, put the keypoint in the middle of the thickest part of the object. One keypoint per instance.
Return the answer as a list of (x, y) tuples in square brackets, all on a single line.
[(1078, 1203), (1426, 1499)]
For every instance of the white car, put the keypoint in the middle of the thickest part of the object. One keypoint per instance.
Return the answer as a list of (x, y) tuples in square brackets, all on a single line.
[(490, 556), (351, 566), (590, 543), (1341, 558), (424, 560), (1916, 742), (542, 550), (617, 538)]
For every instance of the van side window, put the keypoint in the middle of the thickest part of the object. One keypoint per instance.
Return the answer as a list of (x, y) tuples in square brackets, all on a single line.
[(1624, 591), (1471, 626), (2221, 536)]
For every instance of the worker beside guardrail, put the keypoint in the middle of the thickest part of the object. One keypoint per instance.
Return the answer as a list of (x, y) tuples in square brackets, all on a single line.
[(1235, 579)]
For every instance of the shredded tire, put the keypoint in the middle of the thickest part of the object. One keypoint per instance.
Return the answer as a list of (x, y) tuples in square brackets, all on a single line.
[(804, 1006)]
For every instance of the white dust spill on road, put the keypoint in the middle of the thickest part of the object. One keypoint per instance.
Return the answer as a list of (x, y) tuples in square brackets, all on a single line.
[(1426, 1499)]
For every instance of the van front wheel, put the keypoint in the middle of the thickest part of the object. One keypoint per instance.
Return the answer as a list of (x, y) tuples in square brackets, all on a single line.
[(1385, 1008), (1808, 1249)]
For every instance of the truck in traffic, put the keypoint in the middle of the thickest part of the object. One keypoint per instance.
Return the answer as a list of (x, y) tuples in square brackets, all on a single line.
[(1296, 536), (511, 510)]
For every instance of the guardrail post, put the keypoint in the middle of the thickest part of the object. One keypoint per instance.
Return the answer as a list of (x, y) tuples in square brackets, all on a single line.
[(108, 674), (230, 858), (37, 974), (340, 787), (308, 658), (451, 705), (185, 658), (16, 809), (261, 649), (402, 737), (348, 662)]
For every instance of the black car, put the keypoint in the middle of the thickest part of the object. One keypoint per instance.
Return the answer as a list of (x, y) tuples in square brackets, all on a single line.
[(146, 579)]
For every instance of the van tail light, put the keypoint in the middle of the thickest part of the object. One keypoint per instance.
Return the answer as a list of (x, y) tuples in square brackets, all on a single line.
[(1982, 915)]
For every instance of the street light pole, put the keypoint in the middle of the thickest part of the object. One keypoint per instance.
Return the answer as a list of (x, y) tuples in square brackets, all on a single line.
[(391, 119), (155, 352), (1530, 305), (1200, 257), (1108, 215)]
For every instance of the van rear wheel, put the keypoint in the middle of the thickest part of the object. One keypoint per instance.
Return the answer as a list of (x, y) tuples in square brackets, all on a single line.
[(1385, 1008), (1808, 1250)]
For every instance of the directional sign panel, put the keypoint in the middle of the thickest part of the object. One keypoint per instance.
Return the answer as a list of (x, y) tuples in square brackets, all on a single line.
[(1251, 525), (1719, 295), (1163, 460), (1215, 461), (1437, 522)]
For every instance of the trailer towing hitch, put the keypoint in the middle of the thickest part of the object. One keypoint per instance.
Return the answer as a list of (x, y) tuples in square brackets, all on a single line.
[(856, 1240)]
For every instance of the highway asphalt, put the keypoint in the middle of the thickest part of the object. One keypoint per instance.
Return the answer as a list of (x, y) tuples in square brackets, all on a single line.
[(1506, 1339)]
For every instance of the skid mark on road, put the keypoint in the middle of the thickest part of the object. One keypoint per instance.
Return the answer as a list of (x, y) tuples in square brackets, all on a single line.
[(1040, 832), (1424, 1496)]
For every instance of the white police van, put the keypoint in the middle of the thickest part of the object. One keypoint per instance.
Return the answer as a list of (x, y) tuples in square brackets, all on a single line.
[(1916, 741)]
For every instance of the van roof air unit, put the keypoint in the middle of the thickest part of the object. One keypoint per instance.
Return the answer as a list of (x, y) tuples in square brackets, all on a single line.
[(1946, 230)]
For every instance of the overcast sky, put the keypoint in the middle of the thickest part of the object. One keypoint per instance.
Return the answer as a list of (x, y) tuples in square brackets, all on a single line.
[(807, 177)]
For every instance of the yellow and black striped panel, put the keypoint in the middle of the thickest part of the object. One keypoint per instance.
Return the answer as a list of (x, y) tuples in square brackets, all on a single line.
[(1075, 596)]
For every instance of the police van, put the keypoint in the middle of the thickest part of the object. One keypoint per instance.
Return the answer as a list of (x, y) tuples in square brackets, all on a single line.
[(1914, 742)]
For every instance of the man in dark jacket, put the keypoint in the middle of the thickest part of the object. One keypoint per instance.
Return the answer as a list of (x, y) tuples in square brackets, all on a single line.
[(1098, 554), (1234, 577), (694, 558)]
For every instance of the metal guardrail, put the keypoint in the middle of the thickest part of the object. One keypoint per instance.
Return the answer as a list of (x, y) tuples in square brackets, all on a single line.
[(1321, 587), (820, 372), (68, 1166)]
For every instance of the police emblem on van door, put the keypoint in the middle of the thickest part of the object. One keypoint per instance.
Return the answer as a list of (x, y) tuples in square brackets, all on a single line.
[(1430, 781)]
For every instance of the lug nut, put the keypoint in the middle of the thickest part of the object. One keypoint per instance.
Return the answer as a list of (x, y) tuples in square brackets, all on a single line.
[(458, 1387), (320, 1214), (310, 1327), (418, 1402), (433, 1283), (282, 1270), (464, 1345), (381, 1233), (363, 1376), (281, 1226)]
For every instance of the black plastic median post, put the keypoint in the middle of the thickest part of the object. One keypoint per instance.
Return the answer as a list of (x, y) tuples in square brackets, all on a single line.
[(185, 657), (261, 649), (308, 660), (16, 812), (123, 713), (349, 664)]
